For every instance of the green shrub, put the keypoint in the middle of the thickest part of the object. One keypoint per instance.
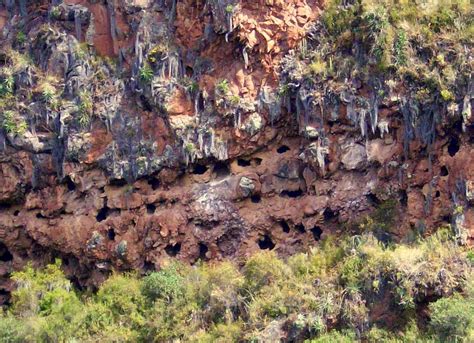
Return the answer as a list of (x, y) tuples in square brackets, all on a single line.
[(452, 319), (146, 73), (167, 284)]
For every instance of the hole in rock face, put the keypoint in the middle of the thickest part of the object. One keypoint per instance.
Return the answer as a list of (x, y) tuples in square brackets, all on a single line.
[(292, 194), (150, 208), (447, 219), (453, 146), (154, 183), (317, 232), (148, 266), (284, 226), (437, 194), (329, 214), (40, 216), (71, 186), (221, 170), (16, 213), (5, 206), (266, 243), (103, 213), (200, 169), (203, 249), (372, 199), (5, 254), (403, 198), (111, 234), (257, 161), (444, 171), (118, 182), (283, 149), (300, 228), (256, 198), (173, 249), (243, 163), (189, 71)]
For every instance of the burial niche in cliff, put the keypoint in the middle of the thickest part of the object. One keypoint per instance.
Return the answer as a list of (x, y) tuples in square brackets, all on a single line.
[(111, 234), (317, 232), (200, 169), (154, 183), (284, 226), (71, 186), (300, 228), (444, 171), (283, 149), (173, 249), (221, 170), (150, 208), (241, 162), (266, 243), (453, 146), (103, 213), (256, 198), (5, 255), (203, 249), (292, 194)]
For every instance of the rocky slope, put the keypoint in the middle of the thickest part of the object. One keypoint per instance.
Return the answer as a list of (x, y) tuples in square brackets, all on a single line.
[(136, 130)]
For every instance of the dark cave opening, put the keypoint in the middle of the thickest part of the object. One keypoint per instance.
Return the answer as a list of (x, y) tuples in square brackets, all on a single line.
[(203, 249), (300, 228), (403, 198), (148, 266), (40, 216), (221, 170), (453, 146), (189, 71), (16, 213), (292, 194), (111, 234), (5, 255), (317, 232), (283, 149), (256, 198), (437, 194), (444, 171), (102, 214), (284, 226), (257, 161), (71, 186), (173, 249), (118, 182), (154, 183), (243, 162), (266, 243), (150, 208), (372, 199), (329, 214), (200, 169)]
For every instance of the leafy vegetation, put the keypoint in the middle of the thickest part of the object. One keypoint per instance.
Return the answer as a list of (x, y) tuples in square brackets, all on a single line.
[(12, 123), (363, 53), (330, 294)]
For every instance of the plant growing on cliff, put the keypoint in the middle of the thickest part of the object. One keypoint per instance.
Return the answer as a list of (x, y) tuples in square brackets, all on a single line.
[(146, 73), (222, 88), (13, 123), (85, 108)]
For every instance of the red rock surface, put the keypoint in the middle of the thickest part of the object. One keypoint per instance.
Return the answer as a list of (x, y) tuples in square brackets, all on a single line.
[(264, 194)]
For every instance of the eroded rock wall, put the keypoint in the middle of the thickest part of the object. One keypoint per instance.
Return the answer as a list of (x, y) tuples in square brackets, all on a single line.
[(169, 138)]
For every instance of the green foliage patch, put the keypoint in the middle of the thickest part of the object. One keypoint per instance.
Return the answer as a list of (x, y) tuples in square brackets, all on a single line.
[(268, 299)]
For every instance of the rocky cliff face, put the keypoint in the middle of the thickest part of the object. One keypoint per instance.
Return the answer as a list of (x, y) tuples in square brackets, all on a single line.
[(136, 130)]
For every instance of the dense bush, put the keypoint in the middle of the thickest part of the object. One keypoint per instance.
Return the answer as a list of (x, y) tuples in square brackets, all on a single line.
[(327, 295)]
